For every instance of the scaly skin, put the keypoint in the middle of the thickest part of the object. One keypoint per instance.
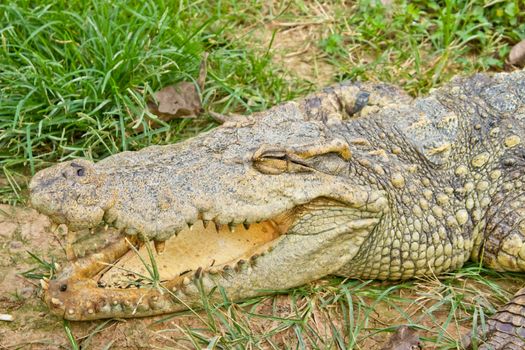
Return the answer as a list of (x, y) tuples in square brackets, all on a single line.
[(358, 180)]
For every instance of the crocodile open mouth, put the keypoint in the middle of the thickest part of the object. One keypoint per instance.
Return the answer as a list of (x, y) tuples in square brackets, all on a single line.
[(213, 248), (119, 276)]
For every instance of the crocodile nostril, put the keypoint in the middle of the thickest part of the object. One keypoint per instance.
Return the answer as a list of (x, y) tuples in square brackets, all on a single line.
[(64, 175)]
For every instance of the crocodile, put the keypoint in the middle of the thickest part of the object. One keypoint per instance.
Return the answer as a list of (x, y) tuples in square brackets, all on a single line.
[(358, 180)]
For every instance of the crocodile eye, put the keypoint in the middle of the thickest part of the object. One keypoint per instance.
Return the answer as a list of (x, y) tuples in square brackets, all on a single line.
[(274, 161), (80, 172), (63, 287)]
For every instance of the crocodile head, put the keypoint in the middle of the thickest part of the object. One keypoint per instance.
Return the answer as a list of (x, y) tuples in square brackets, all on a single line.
[(266, 203)]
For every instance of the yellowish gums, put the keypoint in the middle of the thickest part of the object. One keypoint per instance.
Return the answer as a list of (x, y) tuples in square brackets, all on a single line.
[(191, 249)]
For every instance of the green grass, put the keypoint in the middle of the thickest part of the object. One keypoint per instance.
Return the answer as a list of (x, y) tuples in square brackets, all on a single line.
[(75, 77)]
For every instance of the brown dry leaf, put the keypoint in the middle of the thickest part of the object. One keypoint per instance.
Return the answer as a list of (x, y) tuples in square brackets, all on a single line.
[(181, 100), (404, 338), (517, 54)]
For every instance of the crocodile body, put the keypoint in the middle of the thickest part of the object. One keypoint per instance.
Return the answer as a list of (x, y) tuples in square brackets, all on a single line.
[(358, 180)]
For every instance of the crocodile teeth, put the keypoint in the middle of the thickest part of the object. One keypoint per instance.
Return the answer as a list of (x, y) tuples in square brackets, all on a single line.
[(241, 264), (231, 226), (246, 226), (101, 284), (205, 223), (56, 302), (198, 273), (217, 226), (253, 258), (44, 283), (159, 246)]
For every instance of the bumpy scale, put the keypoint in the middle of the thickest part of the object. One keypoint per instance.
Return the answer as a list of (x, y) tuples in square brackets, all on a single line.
[(358, 180)]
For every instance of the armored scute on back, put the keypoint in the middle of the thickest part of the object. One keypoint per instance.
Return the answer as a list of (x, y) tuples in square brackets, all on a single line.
[(358, 180)]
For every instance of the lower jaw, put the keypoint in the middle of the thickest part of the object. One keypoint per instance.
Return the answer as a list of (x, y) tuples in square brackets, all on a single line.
[(122, 280)]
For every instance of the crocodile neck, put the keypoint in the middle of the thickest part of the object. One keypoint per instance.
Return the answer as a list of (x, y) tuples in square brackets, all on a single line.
[(441, 186)]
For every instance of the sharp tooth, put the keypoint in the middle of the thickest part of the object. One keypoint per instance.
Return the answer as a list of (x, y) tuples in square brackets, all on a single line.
[(101, 284), (217, 226), (198, 273), (106, 227), (205, 223), (253, 258), (190, 226), (231, 226), (240, 265), (246, 226), (159, 246), (44, 284), (106, 308)]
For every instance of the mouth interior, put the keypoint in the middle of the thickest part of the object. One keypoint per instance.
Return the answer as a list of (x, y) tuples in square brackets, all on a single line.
[(209, 248)]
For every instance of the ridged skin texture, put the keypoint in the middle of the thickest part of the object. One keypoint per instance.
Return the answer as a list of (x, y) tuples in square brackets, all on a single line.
[(371, 183)]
